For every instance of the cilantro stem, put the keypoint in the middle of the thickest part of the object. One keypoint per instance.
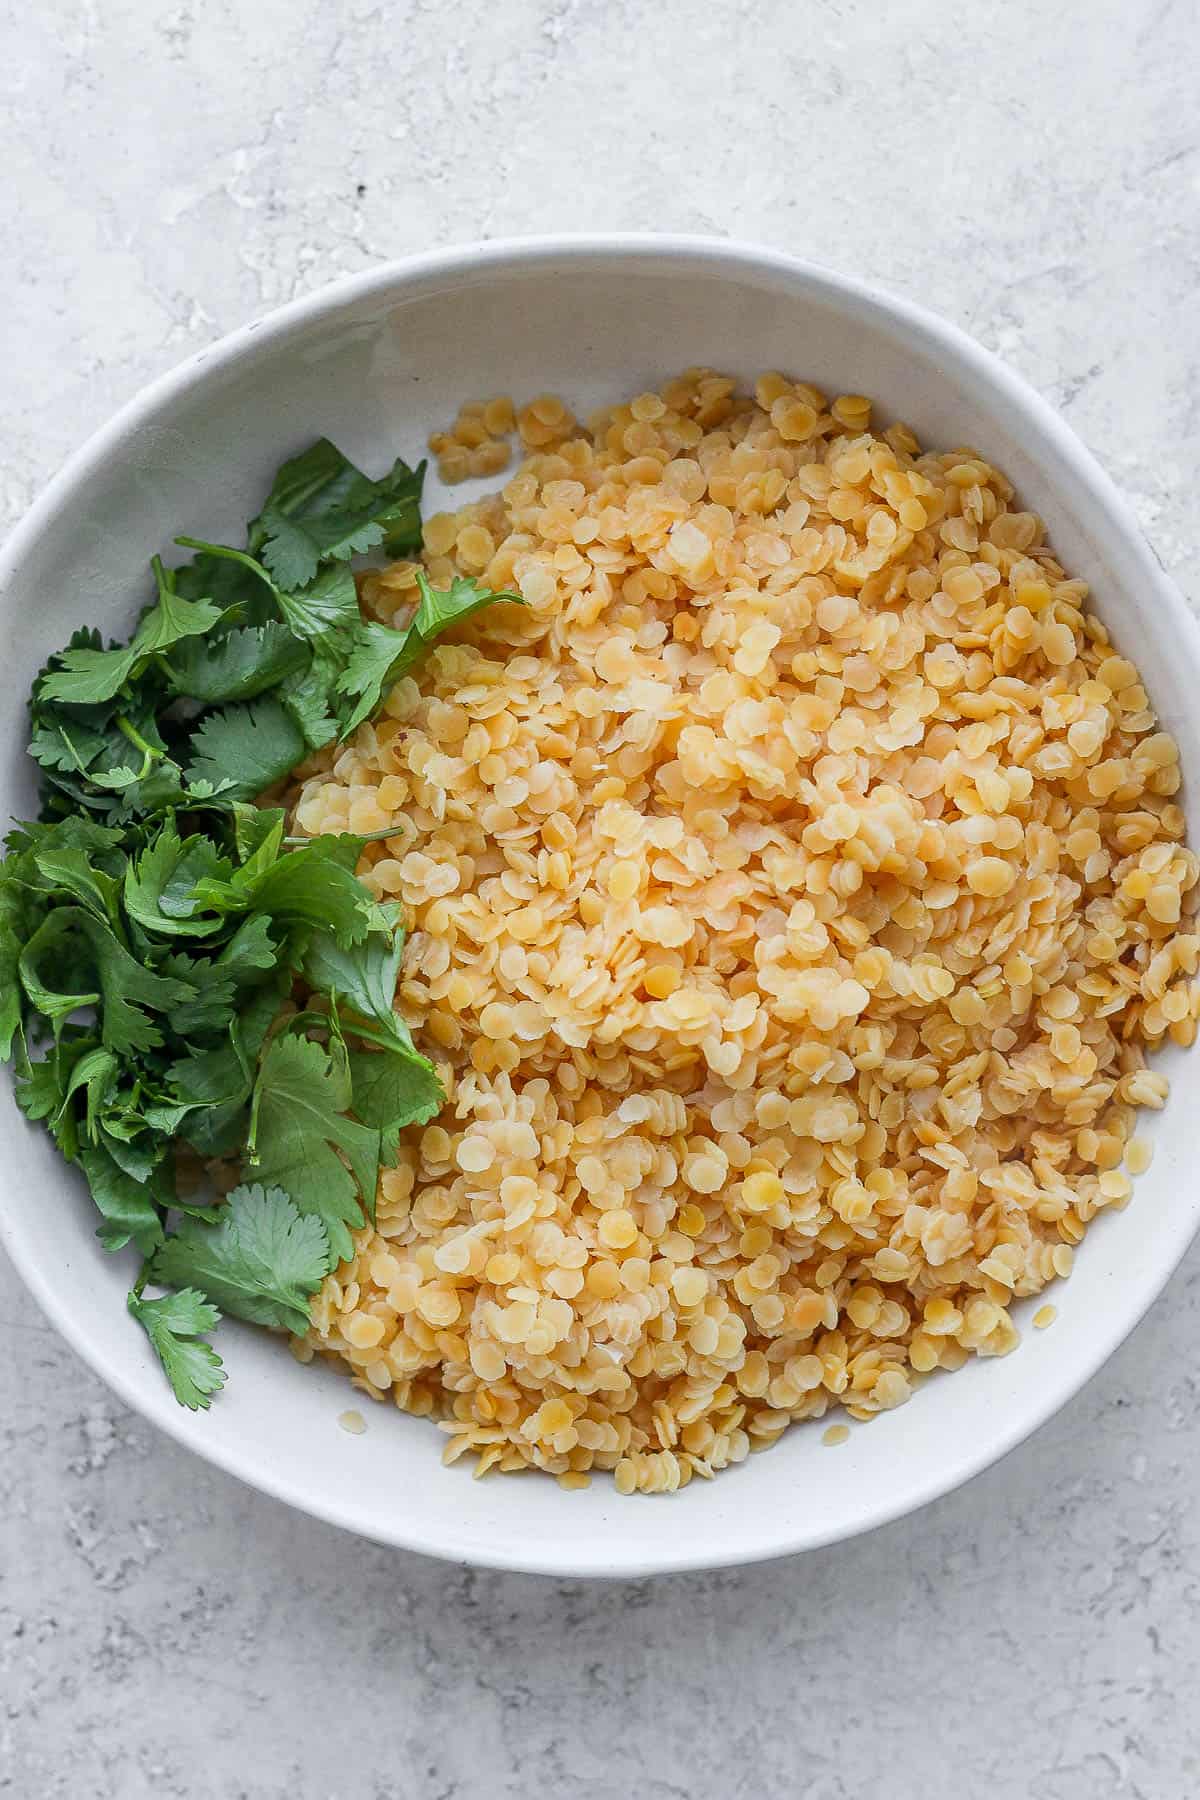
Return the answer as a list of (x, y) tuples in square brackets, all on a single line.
[(149, 753), (313, 1018), (162, 579), (250, 1154), (230, 555), (364, 837), (370, 1035)]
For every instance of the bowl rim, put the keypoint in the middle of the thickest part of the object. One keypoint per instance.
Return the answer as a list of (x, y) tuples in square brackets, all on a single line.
[(527, 253)]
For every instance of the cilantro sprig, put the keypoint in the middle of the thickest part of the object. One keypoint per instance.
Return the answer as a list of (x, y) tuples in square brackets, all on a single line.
[(178, 978), (176, 1325)]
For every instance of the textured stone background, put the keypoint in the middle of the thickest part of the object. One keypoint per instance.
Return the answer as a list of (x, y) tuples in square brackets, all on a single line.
[(1033, 172)]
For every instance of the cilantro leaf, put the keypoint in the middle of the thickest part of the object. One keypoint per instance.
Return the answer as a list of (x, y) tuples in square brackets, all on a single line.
[(321, 508), (400, 1087), (160, 886), (310, 699), (380, 655), (130, 1149), (14, 926), (310, 885), (298, 1128), (87, 675), (174, 1323), (214, 1086), (252, 824), (124, 1204), (186, 1312), (238, 666), (66, 869), (363, 975), (260, 1259), (249, 951), (71, 745), (265, 854), (232, 585), (374, 667), (114, 763), (213, 1002), (322, 611), (95, 1074), (68, 745), (213, 1077), (247, 748), (72, 945), (391, 1091), (102, 842), (41, 1088)]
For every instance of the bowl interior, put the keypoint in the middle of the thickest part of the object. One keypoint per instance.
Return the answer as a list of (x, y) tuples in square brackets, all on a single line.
[(376, 367)]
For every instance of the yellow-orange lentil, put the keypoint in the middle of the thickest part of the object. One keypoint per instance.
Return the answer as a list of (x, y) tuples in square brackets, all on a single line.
[(795, 885)]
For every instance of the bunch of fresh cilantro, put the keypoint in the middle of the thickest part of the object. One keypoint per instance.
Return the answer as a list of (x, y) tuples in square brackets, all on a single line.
[(176, 974)]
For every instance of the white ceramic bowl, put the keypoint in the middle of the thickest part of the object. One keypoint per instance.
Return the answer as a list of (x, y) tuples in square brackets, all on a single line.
[(375, 362)]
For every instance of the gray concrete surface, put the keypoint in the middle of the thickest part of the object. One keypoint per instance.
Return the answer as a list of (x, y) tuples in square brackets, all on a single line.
[(1034, 173)]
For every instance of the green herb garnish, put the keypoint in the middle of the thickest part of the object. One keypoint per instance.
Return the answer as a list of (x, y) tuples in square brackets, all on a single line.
[(155, 923), (174, 1323)]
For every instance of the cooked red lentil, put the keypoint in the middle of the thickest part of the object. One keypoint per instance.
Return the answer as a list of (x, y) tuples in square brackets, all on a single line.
[(795, 886)]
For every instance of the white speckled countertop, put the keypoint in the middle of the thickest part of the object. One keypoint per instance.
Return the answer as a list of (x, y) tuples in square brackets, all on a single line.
[(1034, 173)]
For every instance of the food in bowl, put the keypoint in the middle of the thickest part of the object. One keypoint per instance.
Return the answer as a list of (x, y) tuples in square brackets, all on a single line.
[(177, 964), (794, 883)]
